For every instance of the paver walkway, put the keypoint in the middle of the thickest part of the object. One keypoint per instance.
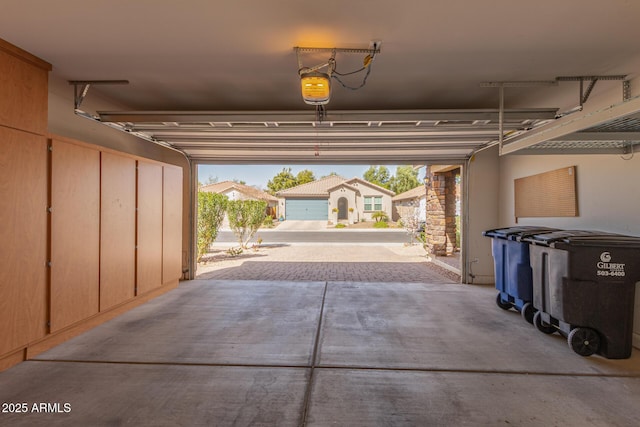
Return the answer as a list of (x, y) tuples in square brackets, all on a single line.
[(366, 263)]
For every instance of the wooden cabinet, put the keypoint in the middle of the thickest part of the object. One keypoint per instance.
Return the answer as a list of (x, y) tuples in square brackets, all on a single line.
[(149, 232), (75, 233), (117, 230), (23, 238), (23, 90), (76, 266)]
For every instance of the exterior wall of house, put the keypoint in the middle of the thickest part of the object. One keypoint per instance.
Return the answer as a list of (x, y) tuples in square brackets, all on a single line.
[(282, 211), (403, 208), (366, 191), (352, 202), (422, 209), (234, 195)]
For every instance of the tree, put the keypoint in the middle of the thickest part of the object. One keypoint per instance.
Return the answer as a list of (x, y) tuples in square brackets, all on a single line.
[(210, 180), (330, 174), (378, 175), (411, 221), (211, 208), (304, 176), (245, 218), (405, 179), (282, 181)]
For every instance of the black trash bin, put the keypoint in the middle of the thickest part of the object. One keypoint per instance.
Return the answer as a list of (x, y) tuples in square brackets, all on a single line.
[(512, 268), (584, 286)]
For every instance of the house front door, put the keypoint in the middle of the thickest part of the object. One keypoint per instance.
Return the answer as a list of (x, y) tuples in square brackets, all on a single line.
[(343, 208)]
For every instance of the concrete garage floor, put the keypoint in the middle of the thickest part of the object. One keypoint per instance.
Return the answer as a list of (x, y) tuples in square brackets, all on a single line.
[(275, 353)]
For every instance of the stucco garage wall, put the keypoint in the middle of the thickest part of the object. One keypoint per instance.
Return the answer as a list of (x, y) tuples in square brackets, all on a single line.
[(482, 182), (608, 196)]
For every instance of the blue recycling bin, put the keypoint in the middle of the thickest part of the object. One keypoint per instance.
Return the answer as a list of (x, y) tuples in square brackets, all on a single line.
[(512, 267), (584, 287)]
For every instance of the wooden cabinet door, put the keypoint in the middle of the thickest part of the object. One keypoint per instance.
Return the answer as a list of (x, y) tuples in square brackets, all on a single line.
[(23, 238), (149, 254), (23, 90), (117, 230), (75, 233)]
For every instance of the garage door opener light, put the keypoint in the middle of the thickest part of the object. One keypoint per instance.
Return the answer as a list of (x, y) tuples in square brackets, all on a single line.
[(315, 85)]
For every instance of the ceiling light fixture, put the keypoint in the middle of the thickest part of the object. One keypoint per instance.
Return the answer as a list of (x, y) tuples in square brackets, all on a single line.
[(316, 85)]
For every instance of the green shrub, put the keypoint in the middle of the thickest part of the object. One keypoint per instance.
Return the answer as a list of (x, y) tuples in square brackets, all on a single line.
[(211, 209), (234, 252), (245, 217), (268, 222), (340, 225), (380, 224), (380, 216)]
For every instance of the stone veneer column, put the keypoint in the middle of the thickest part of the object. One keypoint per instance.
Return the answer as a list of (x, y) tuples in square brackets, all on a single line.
[(441, 214), (435, 229), (450, 211)]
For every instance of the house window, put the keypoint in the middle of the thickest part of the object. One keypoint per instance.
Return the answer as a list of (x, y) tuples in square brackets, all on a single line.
[(373, 203), (377, 203)]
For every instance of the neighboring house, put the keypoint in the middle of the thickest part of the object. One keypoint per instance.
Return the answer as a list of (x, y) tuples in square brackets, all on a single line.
[(405, 203), (236, 191), (353, 199)]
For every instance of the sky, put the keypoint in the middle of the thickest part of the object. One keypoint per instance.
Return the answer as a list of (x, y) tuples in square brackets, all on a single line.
[(259, 175)]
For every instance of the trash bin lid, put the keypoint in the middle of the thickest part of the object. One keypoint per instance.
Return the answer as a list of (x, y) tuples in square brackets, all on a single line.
[(608, 240), (517, 233), (584, 238)]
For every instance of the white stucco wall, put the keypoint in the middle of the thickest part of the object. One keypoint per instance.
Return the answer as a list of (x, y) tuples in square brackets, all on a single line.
[(607, 189), (404, 207), (366, 191), (483, 179), (351, 197)]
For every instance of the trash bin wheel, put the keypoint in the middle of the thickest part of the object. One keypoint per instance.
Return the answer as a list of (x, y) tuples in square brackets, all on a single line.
[(584, 341), (528, 312), (540, 325), (501, 303)]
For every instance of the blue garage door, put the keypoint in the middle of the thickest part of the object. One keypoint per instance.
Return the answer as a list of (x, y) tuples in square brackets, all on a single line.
[(307, 209)]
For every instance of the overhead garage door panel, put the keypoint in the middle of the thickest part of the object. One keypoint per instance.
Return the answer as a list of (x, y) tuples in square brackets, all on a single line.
[(307, 209)]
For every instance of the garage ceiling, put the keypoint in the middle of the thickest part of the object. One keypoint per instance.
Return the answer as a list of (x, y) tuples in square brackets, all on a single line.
[(219, 79)]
